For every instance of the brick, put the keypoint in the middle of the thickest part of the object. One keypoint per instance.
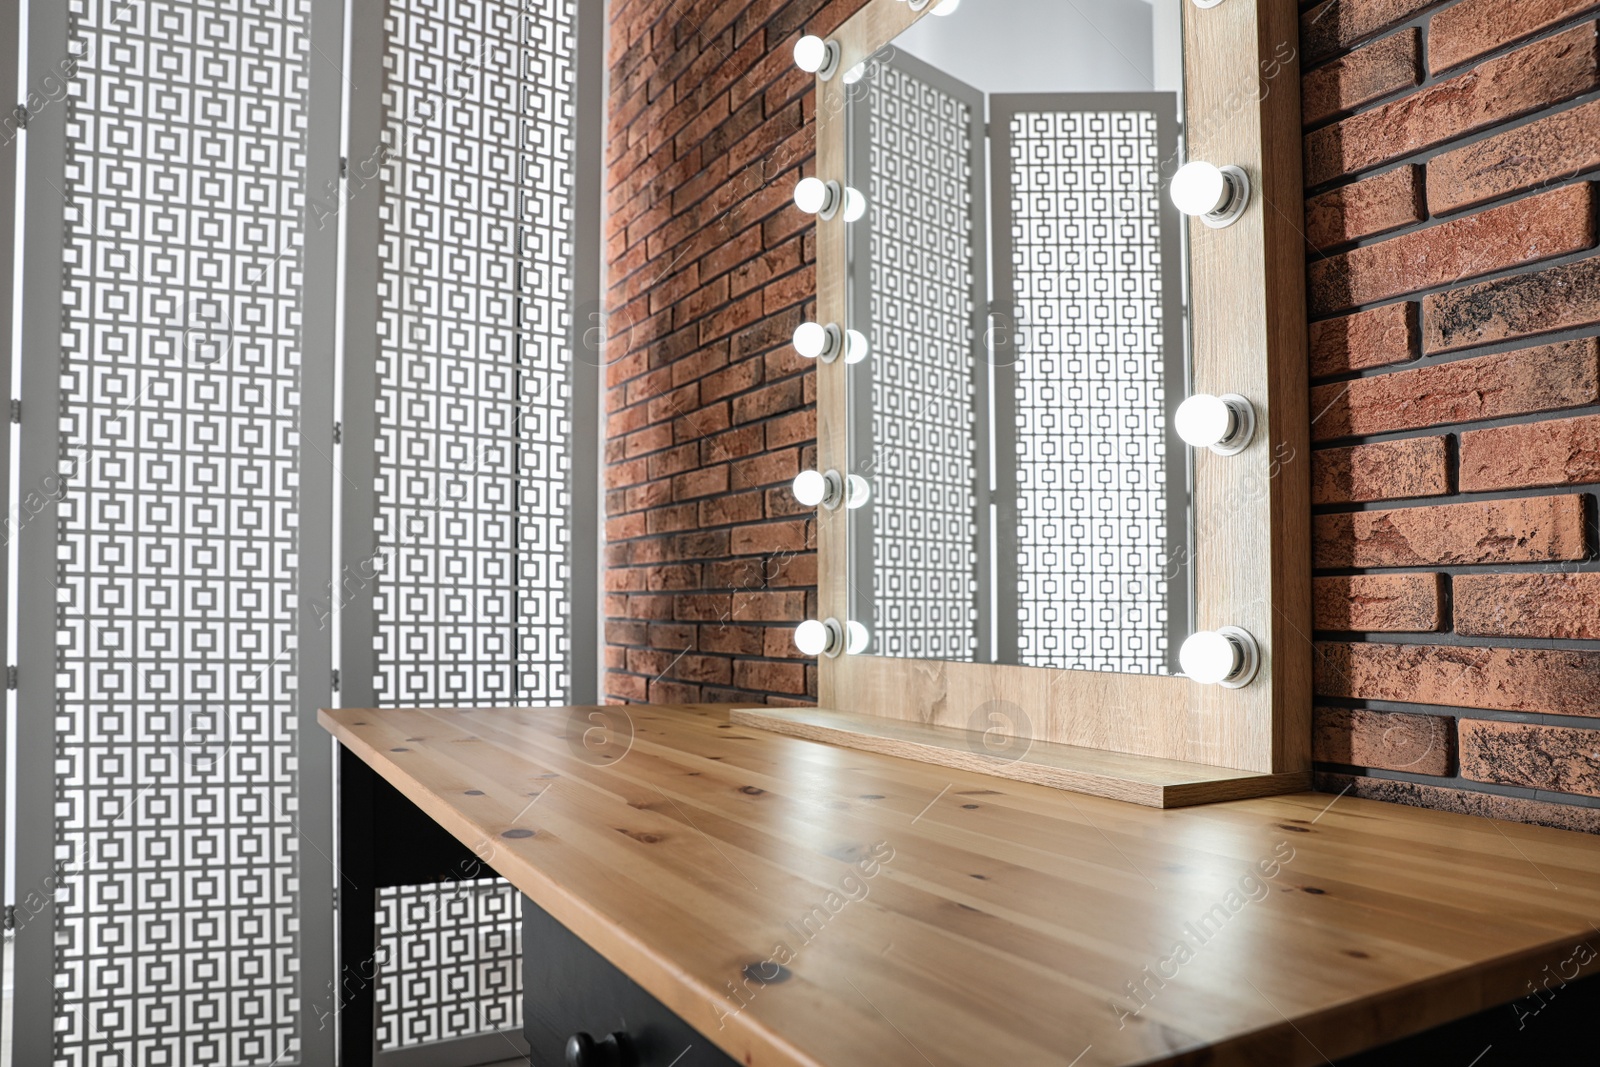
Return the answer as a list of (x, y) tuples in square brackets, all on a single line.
[(1562, 759), (1388, 740), (1370, 72), (1553, 452), (701, 607), (1529, 380), (626, 686), (771, 537), (1379, 603), (1536, 680), (672, 577), (1366, 208), (1461, 801), (702, 482), (1558, 298), (1529, 530), (1389, 470), (765, 403), (1529, 605), (1533, 77), (731, 508), (1377, 337), (1331, 28), (770, 677), (703, 670), (1475, 28), (1540, 153), (769, 607), (732, 639), (1551, 224)]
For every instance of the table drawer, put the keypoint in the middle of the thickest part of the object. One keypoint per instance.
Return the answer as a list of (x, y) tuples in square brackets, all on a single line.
[(569, 988)]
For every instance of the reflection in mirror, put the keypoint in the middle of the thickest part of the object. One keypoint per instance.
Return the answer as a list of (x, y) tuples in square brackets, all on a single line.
[(1019, 276)]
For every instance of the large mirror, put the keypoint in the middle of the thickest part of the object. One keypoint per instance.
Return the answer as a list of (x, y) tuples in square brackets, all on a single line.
[(1019, 277)]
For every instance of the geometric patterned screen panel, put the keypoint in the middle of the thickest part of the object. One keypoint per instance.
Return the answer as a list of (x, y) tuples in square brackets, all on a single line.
[(449, 962), (176, 915), (474, 432), (925, 569), (1090, 278)]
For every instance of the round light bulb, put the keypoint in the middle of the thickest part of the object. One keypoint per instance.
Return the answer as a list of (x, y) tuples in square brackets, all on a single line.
[(856, 638), (811, 339), (947, 8), (856, 348), (811, 637), (1203, 420), (810, 53), (855, 74), (1209, 657), (1199, 188), (810, 488), (857, 491), (811, 195), (855, 205)]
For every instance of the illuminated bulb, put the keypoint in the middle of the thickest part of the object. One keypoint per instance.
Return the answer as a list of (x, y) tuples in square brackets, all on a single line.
[(947, 8), (815, 56), (813, 487), (855, 205), (1215, 195), (811, 637), (812, 339), (857, 491), (810, 488), (856, 348), (856, 638), (817, 197), (815, 638), (1228, 657), (855, 74), (1224, 424)]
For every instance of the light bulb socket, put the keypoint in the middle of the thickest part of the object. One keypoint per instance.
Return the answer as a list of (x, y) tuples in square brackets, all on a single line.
[(1246, 656), (1241, 425), (834, 643), (833, 494), (833, 341), (832, 199), (830, 60), (1228, 213)]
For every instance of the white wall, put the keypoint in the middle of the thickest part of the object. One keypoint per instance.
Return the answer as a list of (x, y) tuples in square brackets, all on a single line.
[(1035, 46)]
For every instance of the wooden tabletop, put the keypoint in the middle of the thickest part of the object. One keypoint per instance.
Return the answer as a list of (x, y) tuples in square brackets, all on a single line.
[(902, 913)]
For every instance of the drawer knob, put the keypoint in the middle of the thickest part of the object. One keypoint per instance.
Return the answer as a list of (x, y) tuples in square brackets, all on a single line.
[(611, 1051)]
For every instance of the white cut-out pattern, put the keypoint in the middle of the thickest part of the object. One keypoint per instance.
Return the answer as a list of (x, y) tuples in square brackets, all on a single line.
[(474, 398), (450, 962), (923, 458), (176, 913), (1090, 394)]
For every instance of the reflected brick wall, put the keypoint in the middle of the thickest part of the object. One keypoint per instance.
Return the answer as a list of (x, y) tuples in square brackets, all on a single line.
[(710, 413)]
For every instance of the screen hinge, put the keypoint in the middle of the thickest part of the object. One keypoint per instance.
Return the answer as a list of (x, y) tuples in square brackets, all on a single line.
[(11, 677), (11, 916), (338, 433), (16, 411), (21, 115), (344, 166), (334, 681)]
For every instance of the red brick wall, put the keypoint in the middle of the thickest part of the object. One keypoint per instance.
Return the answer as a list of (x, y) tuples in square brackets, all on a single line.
[(710, 413), (1454, 293), (1456, 397)]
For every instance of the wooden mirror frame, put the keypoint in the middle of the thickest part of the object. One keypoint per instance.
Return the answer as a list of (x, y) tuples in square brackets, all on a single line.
[(1251, 540)]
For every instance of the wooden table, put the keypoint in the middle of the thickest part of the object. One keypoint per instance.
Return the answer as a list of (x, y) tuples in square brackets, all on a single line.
[(801, 904)]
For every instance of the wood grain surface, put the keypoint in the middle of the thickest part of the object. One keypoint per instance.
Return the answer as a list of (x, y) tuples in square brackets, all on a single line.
[(1147, 780), (902, 913)]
